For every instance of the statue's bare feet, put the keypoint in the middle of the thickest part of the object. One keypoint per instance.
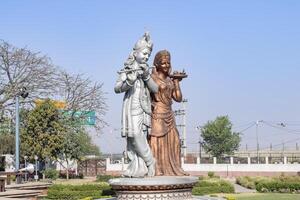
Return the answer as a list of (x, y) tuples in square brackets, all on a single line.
[(151, 169)]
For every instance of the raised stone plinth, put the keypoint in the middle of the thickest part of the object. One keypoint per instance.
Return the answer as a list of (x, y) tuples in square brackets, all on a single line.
[(154, 188)]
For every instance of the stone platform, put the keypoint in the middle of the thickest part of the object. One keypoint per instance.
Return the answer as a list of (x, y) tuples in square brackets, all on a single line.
[(154, 188)]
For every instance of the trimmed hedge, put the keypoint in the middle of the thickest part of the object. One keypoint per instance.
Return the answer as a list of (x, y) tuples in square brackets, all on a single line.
[(282, 184), (74, 192), (278, 186), (211, 186), (83, 187), (73, 195)]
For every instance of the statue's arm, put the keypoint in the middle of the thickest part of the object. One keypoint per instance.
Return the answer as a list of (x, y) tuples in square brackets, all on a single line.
[(123, 84), (177, 95)]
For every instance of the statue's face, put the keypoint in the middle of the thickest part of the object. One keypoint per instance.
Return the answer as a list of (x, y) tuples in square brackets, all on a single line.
[(164, 65), (142, 56)]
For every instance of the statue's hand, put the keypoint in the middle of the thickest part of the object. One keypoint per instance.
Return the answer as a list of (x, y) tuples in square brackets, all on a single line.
[(146, 72), (177, 80), (123, 76), (131, 77)]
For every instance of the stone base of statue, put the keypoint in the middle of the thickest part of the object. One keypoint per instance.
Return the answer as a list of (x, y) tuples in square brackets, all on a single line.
[(150, 188)]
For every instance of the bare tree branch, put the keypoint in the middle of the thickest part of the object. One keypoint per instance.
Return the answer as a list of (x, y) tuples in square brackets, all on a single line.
[(82, 94), (20, 67)]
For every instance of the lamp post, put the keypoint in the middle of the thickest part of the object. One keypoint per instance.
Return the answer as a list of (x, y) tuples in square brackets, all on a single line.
[(200, 147), (23, 93), (184, 101), (36, 168), (25, 158), (198, 128)]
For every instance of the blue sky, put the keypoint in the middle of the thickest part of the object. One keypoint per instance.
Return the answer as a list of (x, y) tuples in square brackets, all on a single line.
[(242, 57)]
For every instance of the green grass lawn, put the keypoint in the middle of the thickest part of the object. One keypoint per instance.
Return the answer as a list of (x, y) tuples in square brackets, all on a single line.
[(269, 196)]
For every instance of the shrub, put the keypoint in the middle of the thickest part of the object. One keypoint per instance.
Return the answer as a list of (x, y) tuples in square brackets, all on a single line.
[(205, 190), (251, 182), (72, 195), (87, 198), (230, 198), (211, 186), (83, 187), (284, 178), (80, 176), (246, 182), (278, 186), (51, 174), (283, 184), (72, 192), (210, 174)]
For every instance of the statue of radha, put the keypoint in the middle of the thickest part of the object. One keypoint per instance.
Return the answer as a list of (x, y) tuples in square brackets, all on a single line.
[(164, 138), (135, 81)]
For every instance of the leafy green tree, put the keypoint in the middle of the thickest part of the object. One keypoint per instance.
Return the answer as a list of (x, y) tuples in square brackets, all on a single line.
[(88, 147), (77, 143), (7, 143), (48, 133), (218, 137), (43, 132), (7, 132)]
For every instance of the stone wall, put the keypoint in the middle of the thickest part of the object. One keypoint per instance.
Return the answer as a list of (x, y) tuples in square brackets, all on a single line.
[(225, 170)]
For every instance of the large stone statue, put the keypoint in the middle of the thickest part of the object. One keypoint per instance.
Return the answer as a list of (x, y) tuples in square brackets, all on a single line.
[(139, 112), (135, 80), (164, 138)]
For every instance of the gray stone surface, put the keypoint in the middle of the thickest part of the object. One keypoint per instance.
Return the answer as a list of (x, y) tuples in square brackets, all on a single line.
[(157, 180), (135, 81), (241, 189), (195, 197), (154, 188)]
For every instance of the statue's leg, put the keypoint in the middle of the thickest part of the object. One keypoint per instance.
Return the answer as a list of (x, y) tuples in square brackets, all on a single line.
[(137, 166), (141, 145)]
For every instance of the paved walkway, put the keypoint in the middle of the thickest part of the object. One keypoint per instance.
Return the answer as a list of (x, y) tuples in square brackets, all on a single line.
[(238, 188), (24, 191), (28, 185), (19, 194), (241, 189)]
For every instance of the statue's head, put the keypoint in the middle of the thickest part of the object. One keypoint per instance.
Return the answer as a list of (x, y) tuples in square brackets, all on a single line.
[(142, 49), (162, 62)]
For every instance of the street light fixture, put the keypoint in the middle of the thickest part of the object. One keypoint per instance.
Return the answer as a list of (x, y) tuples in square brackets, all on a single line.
[(198, 128), (23, 93)]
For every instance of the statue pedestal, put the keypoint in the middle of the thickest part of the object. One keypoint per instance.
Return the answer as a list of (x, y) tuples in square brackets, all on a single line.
[(158, 188)]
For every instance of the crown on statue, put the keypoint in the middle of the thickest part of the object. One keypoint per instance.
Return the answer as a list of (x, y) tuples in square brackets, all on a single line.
[(144, 42)]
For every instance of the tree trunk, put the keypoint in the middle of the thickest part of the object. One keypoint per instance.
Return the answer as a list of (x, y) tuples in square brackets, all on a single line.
[(67, 169)]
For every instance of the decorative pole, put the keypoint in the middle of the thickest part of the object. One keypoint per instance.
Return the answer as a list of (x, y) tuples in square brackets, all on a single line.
[(25, 158), (17, 135), (23, 93)]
